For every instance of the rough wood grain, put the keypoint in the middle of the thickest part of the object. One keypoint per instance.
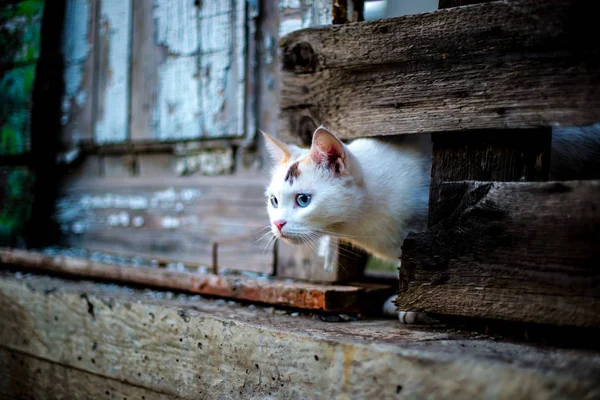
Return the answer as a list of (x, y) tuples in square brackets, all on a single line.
[(459, 3), (514, 251), (24, 376), (192, 348), (506, 64), (113, 71), (498, 155), (300, 295), (222, 71), (78, 55), (146, 56), (178, 113)]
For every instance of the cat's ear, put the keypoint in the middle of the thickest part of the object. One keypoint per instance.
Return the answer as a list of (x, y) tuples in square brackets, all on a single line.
[(328, 150), (278, 150)]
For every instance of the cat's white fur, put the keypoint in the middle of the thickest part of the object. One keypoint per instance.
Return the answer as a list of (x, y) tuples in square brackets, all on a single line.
[(369, 193)]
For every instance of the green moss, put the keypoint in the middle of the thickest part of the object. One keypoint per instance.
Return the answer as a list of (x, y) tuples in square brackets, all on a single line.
[(10, 141), (16, 199), (20, 32), (20, 40), (16, 87), (30, 8)]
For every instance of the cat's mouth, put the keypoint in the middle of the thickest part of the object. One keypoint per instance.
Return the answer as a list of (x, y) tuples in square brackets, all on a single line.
[(296, 239)]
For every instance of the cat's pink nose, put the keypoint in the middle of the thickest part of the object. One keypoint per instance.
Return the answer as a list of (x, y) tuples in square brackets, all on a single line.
[(279, 224)]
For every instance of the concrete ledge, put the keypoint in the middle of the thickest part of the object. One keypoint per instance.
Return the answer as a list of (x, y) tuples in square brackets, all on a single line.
[(179, 346)]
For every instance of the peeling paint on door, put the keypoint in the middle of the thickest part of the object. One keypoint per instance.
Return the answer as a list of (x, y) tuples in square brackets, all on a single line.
[(178, 113), (112, 114), (77, 47)]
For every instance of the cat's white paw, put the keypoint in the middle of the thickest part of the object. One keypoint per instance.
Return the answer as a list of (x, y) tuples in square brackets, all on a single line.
[(406, 317), (389, 308), (416, 318)]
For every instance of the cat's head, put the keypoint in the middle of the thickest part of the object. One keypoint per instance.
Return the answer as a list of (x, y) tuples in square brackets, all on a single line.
[(313, 191)]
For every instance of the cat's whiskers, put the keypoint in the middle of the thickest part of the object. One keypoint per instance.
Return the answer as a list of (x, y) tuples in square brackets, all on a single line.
[(263, 235), (309, 245), (271, 240), (341, 235)]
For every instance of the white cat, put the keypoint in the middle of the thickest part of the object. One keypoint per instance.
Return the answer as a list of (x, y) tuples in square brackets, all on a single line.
[(369, 193)]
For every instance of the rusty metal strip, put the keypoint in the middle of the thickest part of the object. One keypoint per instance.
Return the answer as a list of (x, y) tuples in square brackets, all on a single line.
[(308, 296)]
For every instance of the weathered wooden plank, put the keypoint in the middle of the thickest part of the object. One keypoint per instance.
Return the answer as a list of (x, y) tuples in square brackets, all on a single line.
[(252, 85), (145, 59), (179, 220), (514, 251), (191, 347), (77, 48), (23, 376), (499, 155), (506, 64), (222, 71), (118, 166), (306, 296), (112, 86), (178, 113), (239, 62)]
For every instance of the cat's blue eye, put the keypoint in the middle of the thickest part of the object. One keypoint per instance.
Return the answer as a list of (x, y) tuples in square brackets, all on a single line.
[(303, 199), (273, 201)]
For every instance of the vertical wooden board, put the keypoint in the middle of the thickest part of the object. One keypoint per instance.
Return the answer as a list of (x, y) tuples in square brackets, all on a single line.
[(179, 108), (145, 58), (215, 60), (222, 43), (239, 61), (77, 48), (177, 114), (251, 83), (114, 46)]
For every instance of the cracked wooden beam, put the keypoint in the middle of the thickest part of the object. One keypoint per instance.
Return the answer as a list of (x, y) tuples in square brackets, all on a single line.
[(519, 251), (502, 65), (137, 342)]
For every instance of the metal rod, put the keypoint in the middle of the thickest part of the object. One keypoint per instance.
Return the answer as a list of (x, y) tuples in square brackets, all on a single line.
[(215, 258)]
